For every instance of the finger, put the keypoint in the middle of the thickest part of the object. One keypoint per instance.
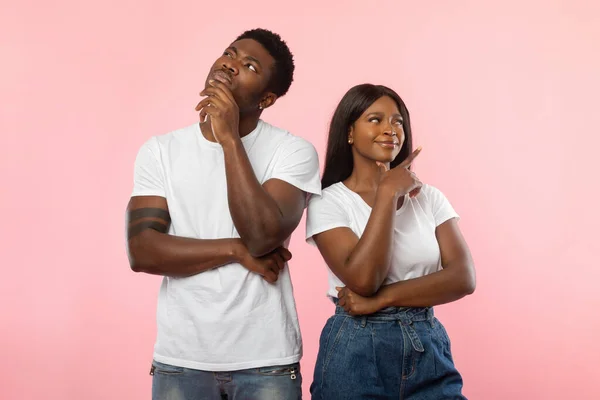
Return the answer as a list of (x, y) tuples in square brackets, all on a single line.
[(417, 185), (285, 253), (341, 302), (203, 103), (217, 102), (211, 110), (406, 163), (211, 100), (273, 266), (279, 261), (216, 92), (203, 116), (416, 189), (383, 167), (223, 88), (271, 276)]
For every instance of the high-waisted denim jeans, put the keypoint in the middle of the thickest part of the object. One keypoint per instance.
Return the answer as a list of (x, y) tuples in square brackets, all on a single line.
[(396, 353)]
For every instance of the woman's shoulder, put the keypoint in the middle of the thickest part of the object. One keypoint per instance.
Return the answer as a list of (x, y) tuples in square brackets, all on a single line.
[(429, 192), (334, 196)]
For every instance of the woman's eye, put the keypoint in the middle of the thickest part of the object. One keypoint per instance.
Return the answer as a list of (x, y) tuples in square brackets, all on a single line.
[(374, 119)]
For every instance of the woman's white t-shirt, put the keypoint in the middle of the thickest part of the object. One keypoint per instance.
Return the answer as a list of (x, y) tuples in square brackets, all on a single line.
[(416, 251)]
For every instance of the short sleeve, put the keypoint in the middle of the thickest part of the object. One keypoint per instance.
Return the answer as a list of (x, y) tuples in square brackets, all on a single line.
[(298, 165), (440, 206), (148, 175), (324, 214)]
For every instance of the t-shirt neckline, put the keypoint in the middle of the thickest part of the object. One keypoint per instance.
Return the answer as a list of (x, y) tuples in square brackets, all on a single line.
[(360, 199), (216, 145)]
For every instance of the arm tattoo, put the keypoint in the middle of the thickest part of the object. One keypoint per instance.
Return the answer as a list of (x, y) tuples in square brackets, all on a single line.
[(148, 217), (149, 213), (142, 226)]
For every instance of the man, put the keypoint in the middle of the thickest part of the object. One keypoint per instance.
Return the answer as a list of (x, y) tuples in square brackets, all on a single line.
[(212, 210)]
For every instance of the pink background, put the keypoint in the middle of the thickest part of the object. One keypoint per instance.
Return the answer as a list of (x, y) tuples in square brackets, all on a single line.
[(504, 101)]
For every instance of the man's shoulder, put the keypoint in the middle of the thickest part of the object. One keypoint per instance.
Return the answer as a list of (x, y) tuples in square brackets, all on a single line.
[(160, 143), (282, 136), (178, 135)]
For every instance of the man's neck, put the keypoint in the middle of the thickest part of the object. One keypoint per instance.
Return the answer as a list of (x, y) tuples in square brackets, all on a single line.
[(248, 123)]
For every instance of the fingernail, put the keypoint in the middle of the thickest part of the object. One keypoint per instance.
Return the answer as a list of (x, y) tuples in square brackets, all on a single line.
[(419, 148)]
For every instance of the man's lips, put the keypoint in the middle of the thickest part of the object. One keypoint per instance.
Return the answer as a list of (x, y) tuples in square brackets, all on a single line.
[(222, 76)]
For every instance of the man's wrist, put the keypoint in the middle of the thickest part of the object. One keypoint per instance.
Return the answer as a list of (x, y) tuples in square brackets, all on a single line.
[(238, 250), (231, 142)]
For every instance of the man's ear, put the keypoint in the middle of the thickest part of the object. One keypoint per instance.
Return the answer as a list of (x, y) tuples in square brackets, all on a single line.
[(267, 101)]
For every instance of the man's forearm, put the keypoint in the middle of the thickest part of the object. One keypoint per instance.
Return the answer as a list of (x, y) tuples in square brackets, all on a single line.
[(157, 253), (255, 214)]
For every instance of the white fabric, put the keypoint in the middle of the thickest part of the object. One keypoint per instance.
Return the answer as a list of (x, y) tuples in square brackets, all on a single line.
[(416, 251), (227, 318)]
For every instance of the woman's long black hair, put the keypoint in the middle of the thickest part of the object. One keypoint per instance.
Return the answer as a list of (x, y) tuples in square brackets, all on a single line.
[(338, 160)]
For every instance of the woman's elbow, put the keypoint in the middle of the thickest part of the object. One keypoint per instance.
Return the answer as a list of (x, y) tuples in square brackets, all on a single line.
[(365, 287), (468, 283)]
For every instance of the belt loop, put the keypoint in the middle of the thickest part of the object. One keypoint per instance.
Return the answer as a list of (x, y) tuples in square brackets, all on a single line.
[(430, 316), (409, 330)]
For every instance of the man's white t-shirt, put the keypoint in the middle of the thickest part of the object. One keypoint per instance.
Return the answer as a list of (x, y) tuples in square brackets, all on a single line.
[(227, 318), (416, 251)]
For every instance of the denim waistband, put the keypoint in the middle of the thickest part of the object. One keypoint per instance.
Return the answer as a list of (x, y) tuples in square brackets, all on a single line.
[(393, 313), (404, 315)]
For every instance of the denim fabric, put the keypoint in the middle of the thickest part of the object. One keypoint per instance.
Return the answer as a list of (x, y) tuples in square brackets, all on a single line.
[(396, 353), (267, 383)]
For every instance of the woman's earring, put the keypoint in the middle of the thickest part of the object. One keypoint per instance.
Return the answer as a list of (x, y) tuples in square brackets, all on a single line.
[(350, 141)]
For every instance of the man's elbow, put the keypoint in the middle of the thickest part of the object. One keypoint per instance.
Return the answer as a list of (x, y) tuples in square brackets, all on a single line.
[(137, 267), (138, 262), (260, 246)]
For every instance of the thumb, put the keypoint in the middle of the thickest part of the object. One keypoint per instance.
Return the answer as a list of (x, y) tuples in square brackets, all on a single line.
[(382, 167)]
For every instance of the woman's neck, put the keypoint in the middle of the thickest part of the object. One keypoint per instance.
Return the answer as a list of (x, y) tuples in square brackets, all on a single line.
[(365, 175)]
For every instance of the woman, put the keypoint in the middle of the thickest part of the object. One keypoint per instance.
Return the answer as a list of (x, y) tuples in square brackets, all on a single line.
[(394, 250)]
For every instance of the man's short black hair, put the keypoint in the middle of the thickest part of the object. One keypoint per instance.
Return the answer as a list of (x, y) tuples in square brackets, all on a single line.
[(283, 70)]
